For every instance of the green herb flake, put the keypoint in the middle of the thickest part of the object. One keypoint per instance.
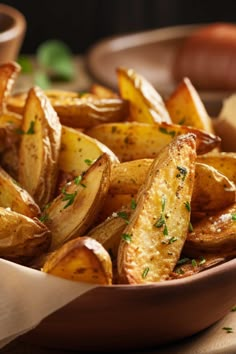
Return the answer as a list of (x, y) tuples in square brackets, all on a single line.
[(172, 240), (163, 203), (182, 172), (133, 204), (165, 131), (234, 217), (183, 260), (233, 309), (190, 227), (165, 231), (228, 329), (88, 162), (194, 263), (123, 215), (202, 260), (69, 197), (127, 237), (78, 181), (43, 218), (179, 271), (187, 206), (30, 131), (160, 222), (145, 272)]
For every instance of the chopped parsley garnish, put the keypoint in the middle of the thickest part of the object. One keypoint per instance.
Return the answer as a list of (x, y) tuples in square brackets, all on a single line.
[(163, 203), (78, 181), (183, 260), (161, 221), (165, 231), (187, 206), (194, 263), (123, 215), (234, 217), (179, 271), (88, 162), (202, 260), (30, 131), (228, 329), (173, 239), (165, 131), (127, 237), (133, 204), (69, 197), (145, 272), (44, 218), (182, 172), (190, 227), (233, 309)]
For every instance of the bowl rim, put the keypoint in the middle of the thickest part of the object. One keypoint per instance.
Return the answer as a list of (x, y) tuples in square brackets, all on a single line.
[(18, 26)]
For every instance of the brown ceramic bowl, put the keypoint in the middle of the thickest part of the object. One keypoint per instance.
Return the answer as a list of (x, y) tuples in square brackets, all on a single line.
[(12, 31), (140, 317)]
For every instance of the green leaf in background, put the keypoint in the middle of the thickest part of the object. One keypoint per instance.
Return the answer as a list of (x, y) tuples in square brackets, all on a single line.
[(25, 63), (56, 58), (41, 79)]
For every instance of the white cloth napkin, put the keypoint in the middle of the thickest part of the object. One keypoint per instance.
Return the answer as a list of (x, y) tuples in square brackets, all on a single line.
[(27, 296)]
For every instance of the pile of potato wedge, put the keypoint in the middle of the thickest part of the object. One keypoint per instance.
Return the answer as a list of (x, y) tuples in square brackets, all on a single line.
[(113, 187)]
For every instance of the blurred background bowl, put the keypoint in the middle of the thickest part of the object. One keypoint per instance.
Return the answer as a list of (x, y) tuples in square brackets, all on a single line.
[(12, 32)]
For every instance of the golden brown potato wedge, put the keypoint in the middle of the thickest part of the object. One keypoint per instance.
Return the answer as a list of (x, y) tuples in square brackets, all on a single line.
[(79, 151), (133, 140), (79, 112), (152, 241), (8, 74), (146, 105), (186, 267), (186, 107), (212, 190), (224, 162), (102, 91), (76, 208), (39, 147), (22, 238), (9, 125), (213, 234), (14, 197), (82, 259)]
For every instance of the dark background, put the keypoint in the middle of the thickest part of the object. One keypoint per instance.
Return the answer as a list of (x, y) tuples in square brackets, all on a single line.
[(80, 23)]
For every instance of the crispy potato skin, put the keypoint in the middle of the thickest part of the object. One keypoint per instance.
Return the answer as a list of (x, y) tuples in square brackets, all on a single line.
[(8, 74), (76, 208), (39, 147), (82, 259), (22, 238), (146, 105), (135, 140), (213, 234), (153, 240)]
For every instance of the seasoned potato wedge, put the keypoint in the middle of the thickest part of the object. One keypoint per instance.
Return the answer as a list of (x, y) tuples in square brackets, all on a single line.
[(212, 190), (8, 73), (77, 112), (146, 105), (82, 259), (79, 151), (213, 234), (9, 125), (14, 197), (152, 241), (76, 208), (224, 162), (22, 238), (186, 266), (39, 147), (102, 91), (133, 140), (186, 107)]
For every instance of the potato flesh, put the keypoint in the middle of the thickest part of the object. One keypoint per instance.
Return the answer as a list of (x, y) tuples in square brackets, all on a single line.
[(146, 105), (151, 253), (39, 149), (134, 140), (66, 220), (82, 259)]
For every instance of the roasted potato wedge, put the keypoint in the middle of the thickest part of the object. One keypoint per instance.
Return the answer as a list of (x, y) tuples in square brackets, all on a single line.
[(186, 107), (39, 147), (9, 125), (133, 140), (213, 234), (14, 197), (146, 105), (153, 240), (22, 238), (8, 74), (102, 91), (224, 162), (79, 151), (79, 112), (82, 259), (75, 209)]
